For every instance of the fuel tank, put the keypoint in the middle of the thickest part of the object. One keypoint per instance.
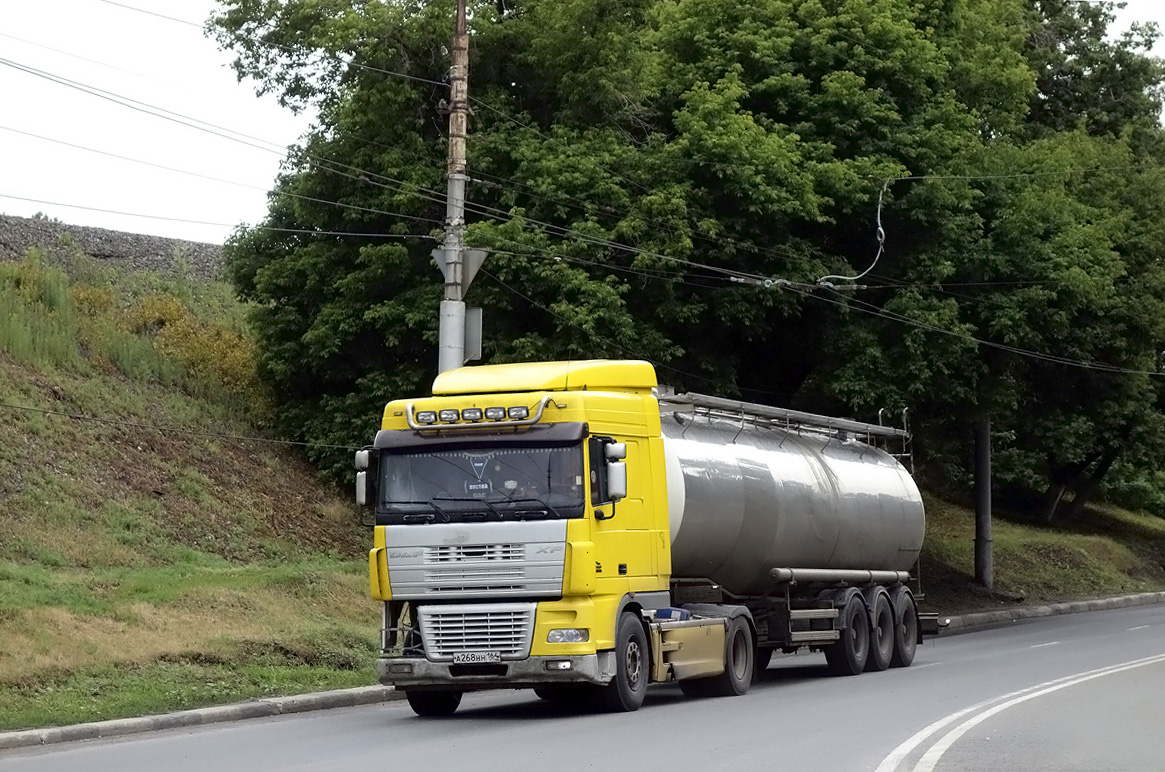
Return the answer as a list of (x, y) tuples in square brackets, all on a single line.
[(746, 498)]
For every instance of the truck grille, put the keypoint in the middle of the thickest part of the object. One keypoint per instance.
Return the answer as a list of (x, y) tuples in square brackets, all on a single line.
[(459, 553), (503, 627)]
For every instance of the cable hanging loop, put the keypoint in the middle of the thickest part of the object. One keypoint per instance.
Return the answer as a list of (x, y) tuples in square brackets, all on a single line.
[(827, 281)]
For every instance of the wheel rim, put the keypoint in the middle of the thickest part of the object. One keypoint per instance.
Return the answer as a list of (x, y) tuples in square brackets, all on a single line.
[(861, 634), (886, 629), (633, 662), (909, 629)]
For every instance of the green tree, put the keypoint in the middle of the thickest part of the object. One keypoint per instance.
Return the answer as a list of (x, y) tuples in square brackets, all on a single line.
[(629, 157)]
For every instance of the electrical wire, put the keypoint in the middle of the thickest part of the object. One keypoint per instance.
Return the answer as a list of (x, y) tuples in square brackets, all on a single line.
[(657, 365), (280, 46), (218, 224), (873, 310)]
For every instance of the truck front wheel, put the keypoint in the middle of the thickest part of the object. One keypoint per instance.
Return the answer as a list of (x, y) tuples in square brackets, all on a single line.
[(627, 689), (847, 655), (433, 704)]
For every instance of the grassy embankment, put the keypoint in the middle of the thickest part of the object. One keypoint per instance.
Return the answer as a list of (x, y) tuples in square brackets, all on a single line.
[(148, 570), (145, 570)]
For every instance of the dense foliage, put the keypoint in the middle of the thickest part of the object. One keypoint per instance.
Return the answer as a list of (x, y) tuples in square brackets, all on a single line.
[(628, 156)]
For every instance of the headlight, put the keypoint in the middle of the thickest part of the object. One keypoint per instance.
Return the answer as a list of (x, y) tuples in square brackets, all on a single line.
[(449, 416), (519, 412), (427, 417), (495, 413), (471, 414), (569, 635)]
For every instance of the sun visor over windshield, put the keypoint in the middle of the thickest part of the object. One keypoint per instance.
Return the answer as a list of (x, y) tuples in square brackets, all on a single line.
[(543, 435)]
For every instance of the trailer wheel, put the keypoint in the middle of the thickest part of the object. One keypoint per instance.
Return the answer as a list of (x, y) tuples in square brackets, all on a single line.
[(739, 661), (627, 689), (433, 704), (847, 655), (905, 629), (883, 628)]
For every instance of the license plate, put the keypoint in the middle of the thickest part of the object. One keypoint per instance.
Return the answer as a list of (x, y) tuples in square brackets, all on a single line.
[(476, 657)]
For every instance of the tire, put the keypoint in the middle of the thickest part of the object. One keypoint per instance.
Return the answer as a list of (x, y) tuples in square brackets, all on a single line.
[(739, 665), (433, 704), (627, 689), (847, 656), (905, 629), (882, 639)]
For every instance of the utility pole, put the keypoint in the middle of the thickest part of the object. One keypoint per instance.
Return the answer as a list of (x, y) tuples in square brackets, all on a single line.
[(458, 264), (984, 552)]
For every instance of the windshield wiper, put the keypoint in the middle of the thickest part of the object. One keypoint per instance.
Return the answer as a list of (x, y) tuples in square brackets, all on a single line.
[(528, 514), (426, 517), (475, 501)]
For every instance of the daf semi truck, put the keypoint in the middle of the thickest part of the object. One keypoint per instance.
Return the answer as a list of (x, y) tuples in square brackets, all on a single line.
[(572, 528)]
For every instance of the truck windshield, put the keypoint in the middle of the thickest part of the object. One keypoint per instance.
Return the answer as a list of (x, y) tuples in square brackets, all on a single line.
[(511, 483)]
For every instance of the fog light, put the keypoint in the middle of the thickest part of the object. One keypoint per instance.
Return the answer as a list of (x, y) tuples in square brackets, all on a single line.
[(400, 668), (471, 414), (495, 413), (569, 635), (449, 416), (427, 417), (519, 412), (558, 664)]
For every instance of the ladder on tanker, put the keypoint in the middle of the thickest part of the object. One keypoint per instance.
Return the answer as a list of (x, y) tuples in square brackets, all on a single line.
[(795, 421)]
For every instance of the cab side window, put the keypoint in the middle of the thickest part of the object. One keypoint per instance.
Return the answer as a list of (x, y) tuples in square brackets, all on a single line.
[(598, 463)]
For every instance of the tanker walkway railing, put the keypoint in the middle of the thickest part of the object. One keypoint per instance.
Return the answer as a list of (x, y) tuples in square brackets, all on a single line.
[(785, 418)]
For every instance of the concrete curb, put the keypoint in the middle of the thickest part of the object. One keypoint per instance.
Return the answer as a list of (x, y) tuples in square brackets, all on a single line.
[(271, 706), (982, 619)]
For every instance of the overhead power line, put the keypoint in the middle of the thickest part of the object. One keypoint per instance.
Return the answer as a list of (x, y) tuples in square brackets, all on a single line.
[(868, 308), (272, 228)]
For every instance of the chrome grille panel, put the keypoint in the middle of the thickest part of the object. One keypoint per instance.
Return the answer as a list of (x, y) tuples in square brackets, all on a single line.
[(459, 553), (476, 560), (503, 627)]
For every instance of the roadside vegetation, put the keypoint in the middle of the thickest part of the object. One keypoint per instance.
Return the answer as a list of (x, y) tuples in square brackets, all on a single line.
[(149, 560)]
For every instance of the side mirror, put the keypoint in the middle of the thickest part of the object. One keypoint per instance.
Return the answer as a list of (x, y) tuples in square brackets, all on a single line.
[(616, 480), (362, 489), (615, 451), (366, 478)]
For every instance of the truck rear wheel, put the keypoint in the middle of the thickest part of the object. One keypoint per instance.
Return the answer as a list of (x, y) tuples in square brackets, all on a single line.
[(883, 627), (739, 662), (905, 629), (847, 655), (433, 704), (627, 689)]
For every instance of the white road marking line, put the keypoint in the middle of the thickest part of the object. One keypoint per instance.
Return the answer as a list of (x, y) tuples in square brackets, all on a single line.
[(932, 757), (1042, 645), (1138, 627), (899, 754)]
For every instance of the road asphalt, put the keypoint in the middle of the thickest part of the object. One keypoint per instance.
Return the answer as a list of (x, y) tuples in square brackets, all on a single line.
[(344, 698)]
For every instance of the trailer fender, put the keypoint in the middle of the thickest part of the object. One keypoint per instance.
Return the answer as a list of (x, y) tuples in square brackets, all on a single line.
[(840, 598)]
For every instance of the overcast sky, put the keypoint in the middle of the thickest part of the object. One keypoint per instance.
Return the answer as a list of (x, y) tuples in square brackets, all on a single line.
[(164, 64)]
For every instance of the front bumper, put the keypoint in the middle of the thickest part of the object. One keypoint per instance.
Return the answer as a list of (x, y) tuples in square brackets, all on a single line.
[(596, 669)]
